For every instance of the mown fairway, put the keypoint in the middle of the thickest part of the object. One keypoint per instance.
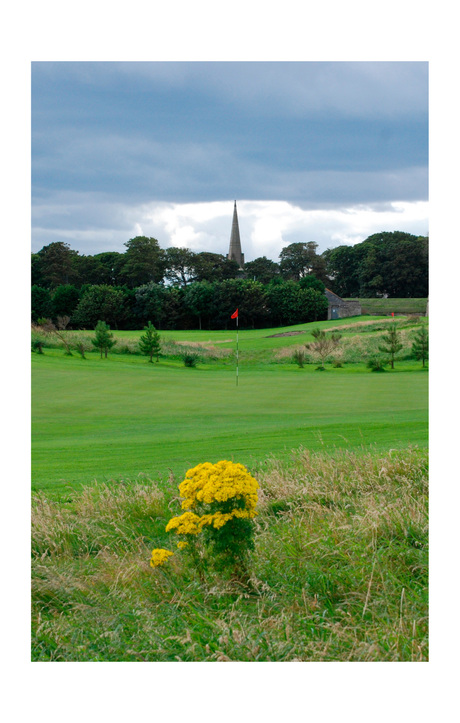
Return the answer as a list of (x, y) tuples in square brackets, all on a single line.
[(121, 417)]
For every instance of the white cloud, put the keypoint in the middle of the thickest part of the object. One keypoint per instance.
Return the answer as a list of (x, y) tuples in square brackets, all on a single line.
[(265, 226)]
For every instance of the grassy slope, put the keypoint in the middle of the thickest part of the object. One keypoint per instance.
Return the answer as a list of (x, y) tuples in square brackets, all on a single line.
[(399, 306), (122, 416)]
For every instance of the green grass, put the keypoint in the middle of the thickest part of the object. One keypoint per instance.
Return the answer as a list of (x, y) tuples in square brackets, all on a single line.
[(339, 569), (338, 573), (123, 417), (399, 306)]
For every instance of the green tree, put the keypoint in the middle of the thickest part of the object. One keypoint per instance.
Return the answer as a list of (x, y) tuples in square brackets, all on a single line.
[(179, 266), (199, 298), (65, 300), (36, 271), (420, 345), (261, 269), (150, 302), (104, 338), (391, 343), (394, 264), (324, 344), (311, 282), (149, 343), (342, 269), (289, 304), (212, 267), (300, 259), (42, 305), (248, 296), (56, 264), (315, 304), (144, 261), (97, 301)]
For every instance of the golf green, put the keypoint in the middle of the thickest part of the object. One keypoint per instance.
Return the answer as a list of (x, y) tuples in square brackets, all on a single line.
[(102, 419)]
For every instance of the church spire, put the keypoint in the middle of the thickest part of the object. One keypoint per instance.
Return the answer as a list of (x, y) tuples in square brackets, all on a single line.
[(234, 251)]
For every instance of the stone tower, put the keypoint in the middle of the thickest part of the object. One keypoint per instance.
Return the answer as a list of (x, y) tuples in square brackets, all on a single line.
[(234, 251)]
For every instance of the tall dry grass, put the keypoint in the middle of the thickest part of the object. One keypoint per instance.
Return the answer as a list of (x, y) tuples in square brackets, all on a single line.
[(339, 571)]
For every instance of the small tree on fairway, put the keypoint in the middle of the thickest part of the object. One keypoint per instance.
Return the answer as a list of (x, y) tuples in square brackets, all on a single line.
[(104, 338), (149, 343), (392, 345), (324, 344), (420, 345)]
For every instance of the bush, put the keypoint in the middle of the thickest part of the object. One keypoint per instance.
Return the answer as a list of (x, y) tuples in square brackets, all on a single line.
[(220, 503), (299, 357), (190, 359), (376, 364)]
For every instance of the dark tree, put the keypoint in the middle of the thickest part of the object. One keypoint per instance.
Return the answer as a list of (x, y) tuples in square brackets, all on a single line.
[(144, 262), (98, 301), (109, 267), (300, 259), (289, 304), (150, 303), (42, 305), (261, 269), (179, 266), (311, 282), (56, 264), (214, 267), (395, 264), (65, 300), (342, 268), (199, 299), (36, 271), (248, 296)]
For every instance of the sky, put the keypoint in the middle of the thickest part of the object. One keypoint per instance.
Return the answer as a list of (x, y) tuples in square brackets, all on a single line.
[(329, 152)]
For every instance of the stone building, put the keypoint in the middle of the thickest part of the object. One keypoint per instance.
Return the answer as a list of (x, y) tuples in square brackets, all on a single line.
[(234, 252), (340, 309)]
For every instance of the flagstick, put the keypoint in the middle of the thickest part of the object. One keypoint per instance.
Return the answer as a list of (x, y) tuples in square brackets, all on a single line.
[(236, 351)]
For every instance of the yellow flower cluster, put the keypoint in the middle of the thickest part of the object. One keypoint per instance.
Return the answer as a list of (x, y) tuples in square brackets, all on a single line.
[(218, 483), (186, 524), (159, 557), (209, 483)]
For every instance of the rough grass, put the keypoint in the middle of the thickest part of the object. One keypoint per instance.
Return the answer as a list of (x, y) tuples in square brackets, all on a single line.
[(360, 342), (339, 570)]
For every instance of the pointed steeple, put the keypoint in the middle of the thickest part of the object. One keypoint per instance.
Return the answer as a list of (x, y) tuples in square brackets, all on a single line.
[(234, 251)]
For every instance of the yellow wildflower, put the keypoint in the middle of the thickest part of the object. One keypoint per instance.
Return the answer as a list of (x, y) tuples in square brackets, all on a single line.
[(159, 557), (186, 524)]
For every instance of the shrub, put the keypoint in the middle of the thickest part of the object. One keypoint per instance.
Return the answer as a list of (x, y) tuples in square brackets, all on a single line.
[(376, 365), (219, 501), (37, 345), (299, 357), (190, 359), (324, 344)]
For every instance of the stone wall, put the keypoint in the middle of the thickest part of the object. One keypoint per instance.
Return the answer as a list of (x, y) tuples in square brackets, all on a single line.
[(340, 309)]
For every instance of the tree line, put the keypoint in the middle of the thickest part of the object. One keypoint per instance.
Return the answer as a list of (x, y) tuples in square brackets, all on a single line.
[(179, 288)]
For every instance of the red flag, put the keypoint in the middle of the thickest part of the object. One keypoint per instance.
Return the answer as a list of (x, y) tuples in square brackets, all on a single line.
[(234, 315)]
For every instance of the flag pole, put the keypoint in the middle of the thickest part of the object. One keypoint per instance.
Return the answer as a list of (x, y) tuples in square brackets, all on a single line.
[(235, 316), (237, 351)]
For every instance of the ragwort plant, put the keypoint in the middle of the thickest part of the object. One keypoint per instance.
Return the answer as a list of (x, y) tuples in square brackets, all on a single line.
[(219, 503)]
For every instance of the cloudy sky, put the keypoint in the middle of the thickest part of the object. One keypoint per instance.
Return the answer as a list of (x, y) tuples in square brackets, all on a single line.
[(329, 152)]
